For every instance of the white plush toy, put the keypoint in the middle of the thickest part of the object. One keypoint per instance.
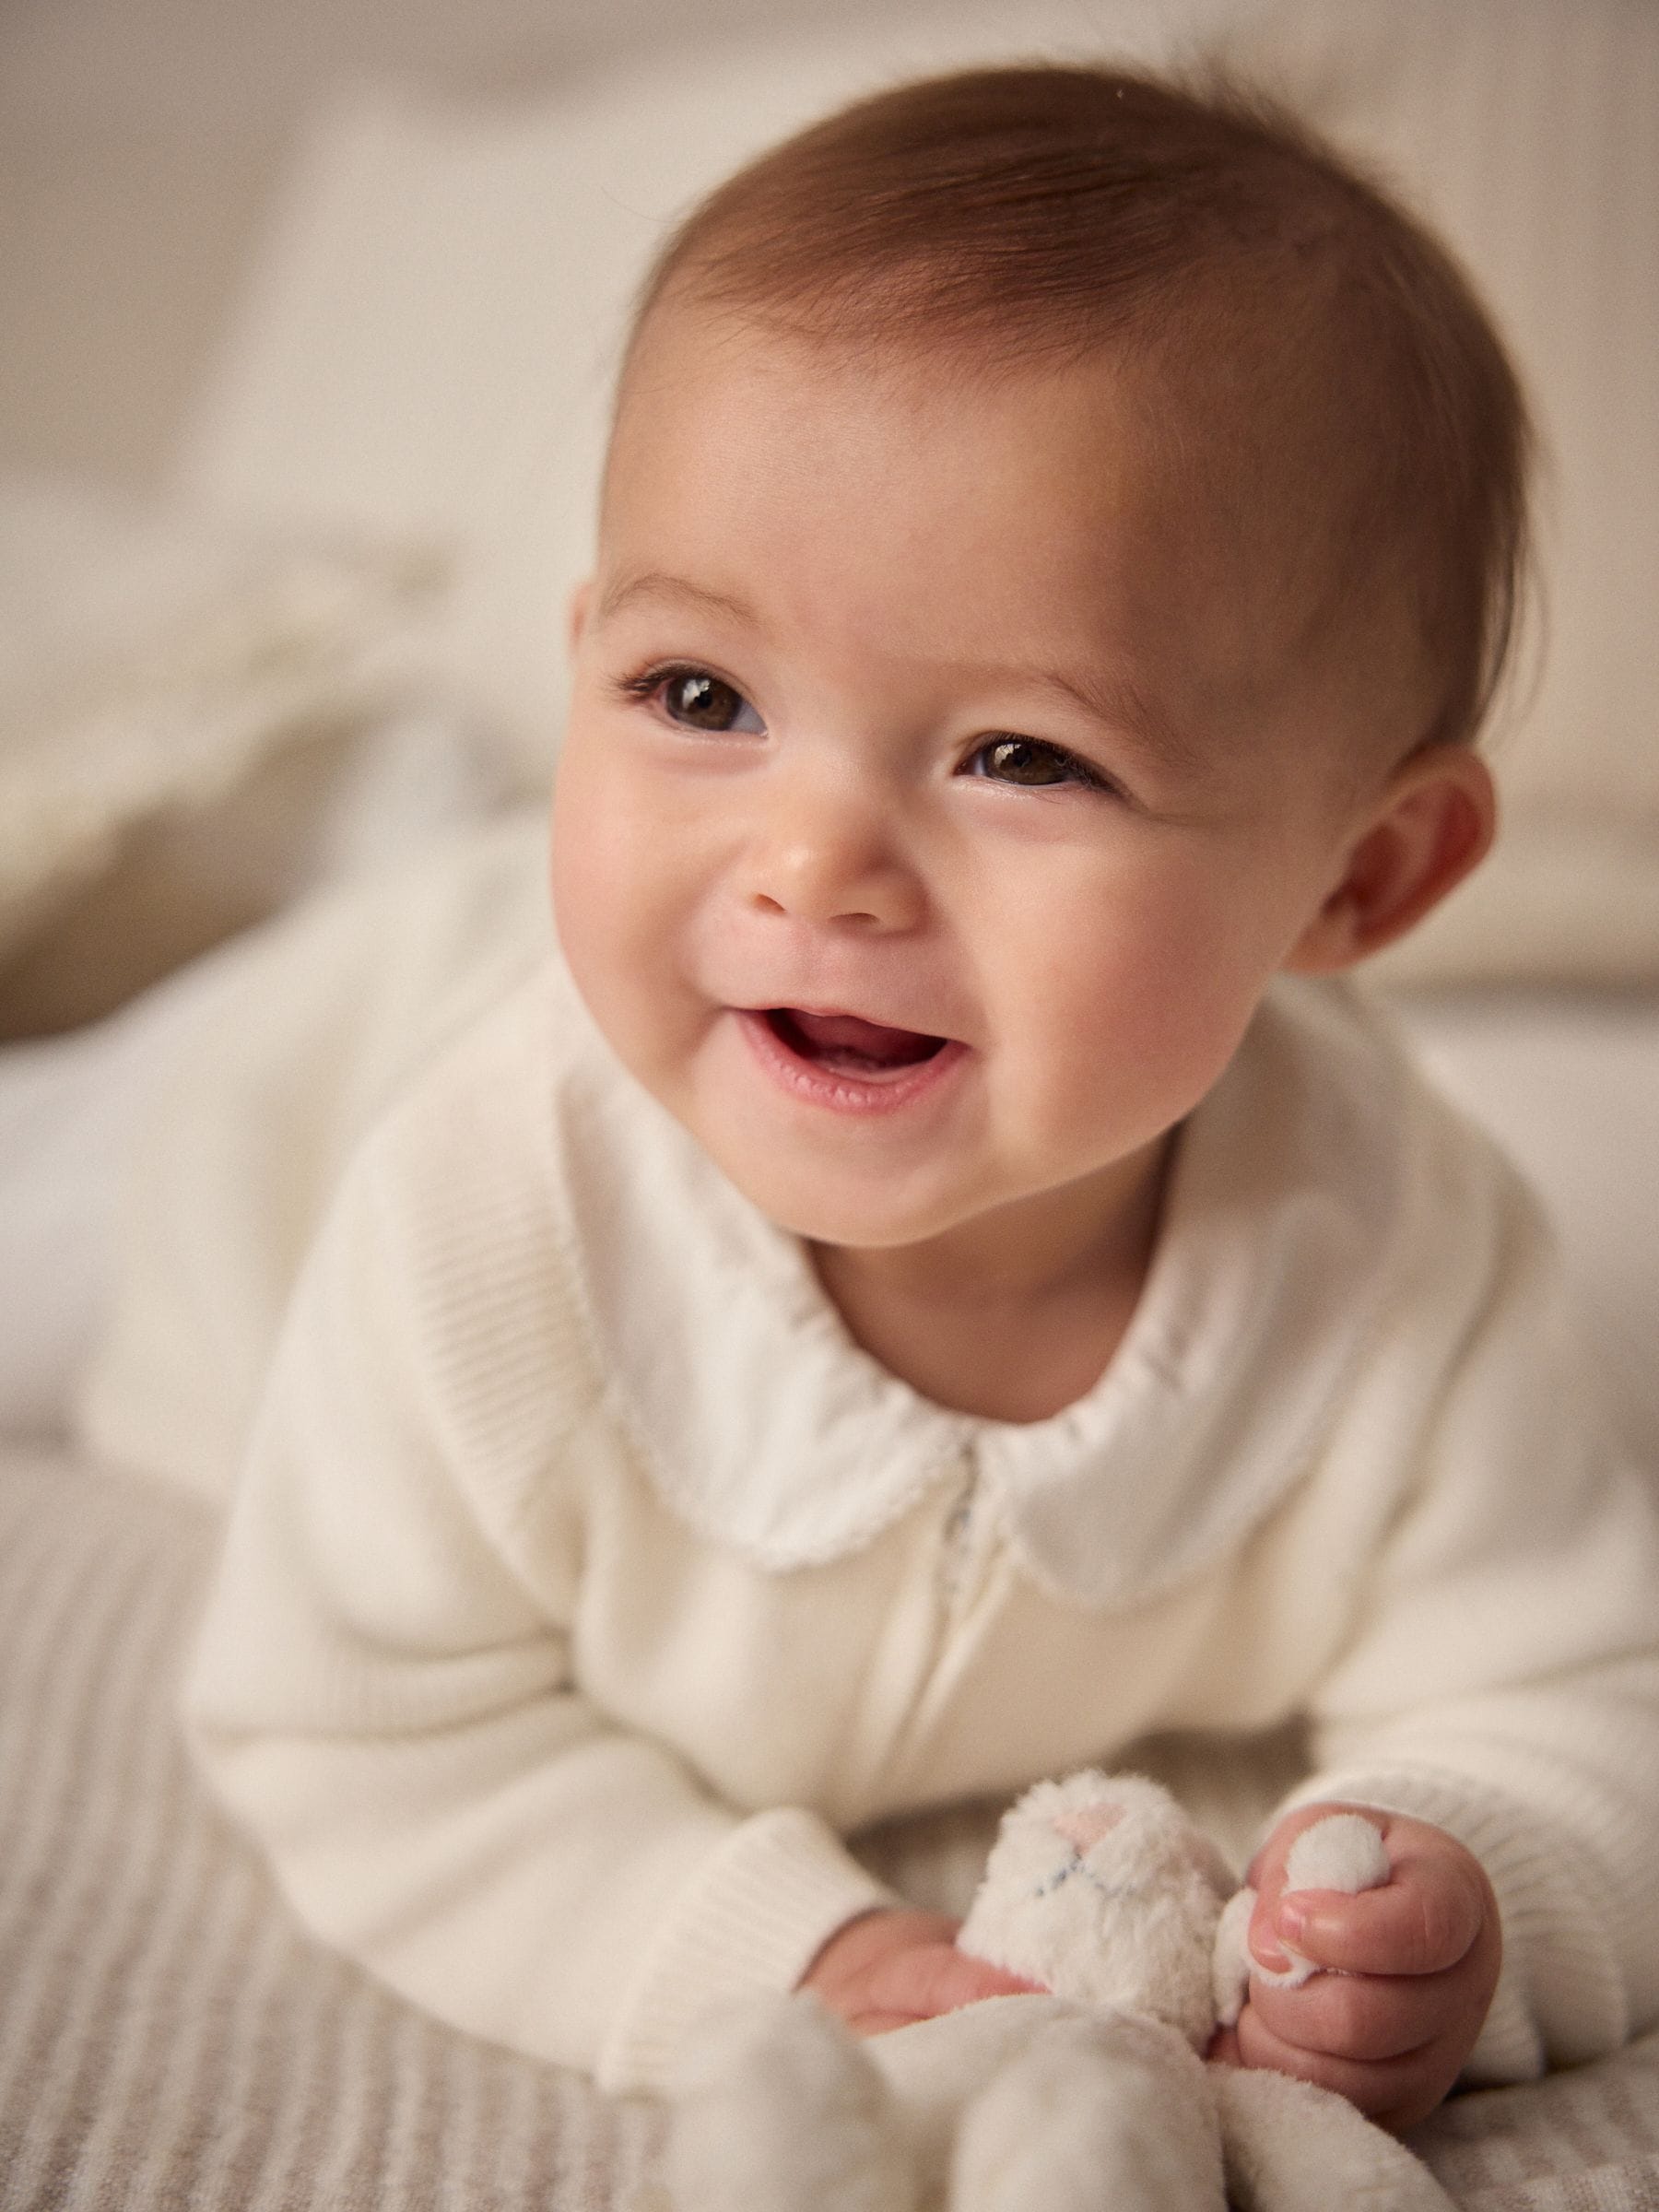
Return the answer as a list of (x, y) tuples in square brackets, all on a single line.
[(1092, 2098)]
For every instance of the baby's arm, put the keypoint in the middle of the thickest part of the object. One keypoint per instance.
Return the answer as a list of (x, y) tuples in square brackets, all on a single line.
[(1501, 1684), (1411, 1969), (385, 1690)]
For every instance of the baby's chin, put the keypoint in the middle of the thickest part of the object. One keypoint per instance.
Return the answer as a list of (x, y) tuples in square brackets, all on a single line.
[(848, 1212)]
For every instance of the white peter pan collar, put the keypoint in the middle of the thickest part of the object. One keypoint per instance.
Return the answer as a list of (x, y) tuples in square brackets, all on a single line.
[(770, 1432)]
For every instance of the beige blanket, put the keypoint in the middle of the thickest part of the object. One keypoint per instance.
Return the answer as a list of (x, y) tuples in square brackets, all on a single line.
[(167, 2038)]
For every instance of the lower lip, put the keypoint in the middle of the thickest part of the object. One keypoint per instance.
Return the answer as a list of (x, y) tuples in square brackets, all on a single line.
[(836, 1090)]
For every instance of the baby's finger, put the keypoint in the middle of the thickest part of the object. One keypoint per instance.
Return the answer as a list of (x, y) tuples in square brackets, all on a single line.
[(936, 1977), (1394, 2092), (1421, 1922), (1365, 2018)]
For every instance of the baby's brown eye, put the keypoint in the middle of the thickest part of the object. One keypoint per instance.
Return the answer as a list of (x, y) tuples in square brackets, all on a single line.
[(701, 701), (1026, 760)]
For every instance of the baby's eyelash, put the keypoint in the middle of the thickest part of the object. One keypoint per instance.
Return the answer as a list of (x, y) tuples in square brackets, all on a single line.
[(1037, 752), (730, 709), (647, 681)]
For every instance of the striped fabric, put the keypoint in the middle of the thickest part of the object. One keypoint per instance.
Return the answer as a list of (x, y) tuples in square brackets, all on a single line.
[(167, 2038), (169, 2042)]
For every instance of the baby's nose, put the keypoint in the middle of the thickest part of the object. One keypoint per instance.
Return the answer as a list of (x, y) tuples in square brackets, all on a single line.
[(837, 861)]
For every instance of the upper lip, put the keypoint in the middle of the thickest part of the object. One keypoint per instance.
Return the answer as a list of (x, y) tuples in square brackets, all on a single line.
[(828, 1013)]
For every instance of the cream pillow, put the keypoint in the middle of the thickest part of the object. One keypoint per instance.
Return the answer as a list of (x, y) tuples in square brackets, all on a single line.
[(430, 339), (195, 721)]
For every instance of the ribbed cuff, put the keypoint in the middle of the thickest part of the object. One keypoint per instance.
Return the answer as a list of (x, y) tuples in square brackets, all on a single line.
[(1560, 1996), (752, 1918)]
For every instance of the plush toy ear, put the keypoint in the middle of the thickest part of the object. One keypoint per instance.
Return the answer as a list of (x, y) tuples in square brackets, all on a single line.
[(1229, 1960), (1432, 823), (777, 2107), (1291, 2148), (1343, 1851)]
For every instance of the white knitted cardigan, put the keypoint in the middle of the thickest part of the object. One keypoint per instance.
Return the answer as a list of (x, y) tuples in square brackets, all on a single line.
[(525, 1491)]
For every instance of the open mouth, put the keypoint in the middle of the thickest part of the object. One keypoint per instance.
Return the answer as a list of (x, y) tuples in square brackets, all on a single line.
[(845, 1044)]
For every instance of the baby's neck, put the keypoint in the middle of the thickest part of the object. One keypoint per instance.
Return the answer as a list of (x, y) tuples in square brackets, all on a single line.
[(985, 1325)]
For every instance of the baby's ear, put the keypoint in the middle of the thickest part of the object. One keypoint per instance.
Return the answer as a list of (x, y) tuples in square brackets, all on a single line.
[(577, 614), (1433, 824)]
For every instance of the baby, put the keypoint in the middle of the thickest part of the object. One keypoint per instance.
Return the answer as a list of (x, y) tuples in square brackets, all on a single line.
[(931, 1285)]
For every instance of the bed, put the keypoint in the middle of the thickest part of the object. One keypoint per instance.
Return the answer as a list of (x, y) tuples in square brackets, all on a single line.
[(325, 637)]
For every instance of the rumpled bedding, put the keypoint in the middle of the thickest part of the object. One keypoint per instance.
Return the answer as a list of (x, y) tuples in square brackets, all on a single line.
[(200, 720), (169, 2037)]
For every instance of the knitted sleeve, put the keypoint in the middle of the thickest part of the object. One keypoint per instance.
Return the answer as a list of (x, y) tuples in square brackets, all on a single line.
[(1503, 1680), (384, 1691)]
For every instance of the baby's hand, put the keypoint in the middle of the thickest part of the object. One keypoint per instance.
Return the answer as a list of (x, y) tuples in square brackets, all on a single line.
[(1414, 1964), (889, 1967)]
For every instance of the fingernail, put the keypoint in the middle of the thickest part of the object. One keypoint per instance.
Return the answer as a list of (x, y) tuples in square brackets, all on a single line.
[(1265, 1952), (1290, 1920)]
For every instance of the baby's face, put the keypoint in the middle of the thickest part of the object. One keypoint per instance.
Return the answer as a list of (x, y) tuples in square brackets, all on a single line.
[(937, 801)]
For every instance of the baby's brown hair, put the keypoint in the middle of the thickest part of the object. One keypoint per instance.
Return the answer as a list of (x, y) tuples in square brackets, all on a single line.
[(1344, 370)]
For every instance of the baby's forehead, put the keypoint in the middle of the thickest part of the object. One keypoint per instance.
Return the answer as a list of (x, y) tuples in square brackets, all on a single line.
[(1127, 516), (1177, 433), (1209, 391)]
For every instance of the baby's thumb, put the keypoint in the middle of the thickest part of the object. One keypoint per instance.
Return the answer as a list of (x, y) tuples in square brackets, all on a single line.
[(1318, 1848)]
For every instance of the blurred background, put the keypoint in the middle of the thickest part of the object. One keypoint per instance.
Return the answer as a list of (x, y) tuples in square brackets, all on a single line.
[(141, 142)]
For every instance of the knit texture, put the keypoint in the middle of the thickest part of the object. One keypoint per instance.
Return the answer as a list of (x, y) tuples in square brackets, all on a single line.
[(496, 1676), (168, 2039)]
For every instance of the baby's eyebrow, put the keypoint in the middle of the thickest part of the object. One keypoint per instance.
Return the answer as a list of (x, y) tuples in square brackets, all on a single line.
[(1114, 703), (1120, 706), (651, 586)]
